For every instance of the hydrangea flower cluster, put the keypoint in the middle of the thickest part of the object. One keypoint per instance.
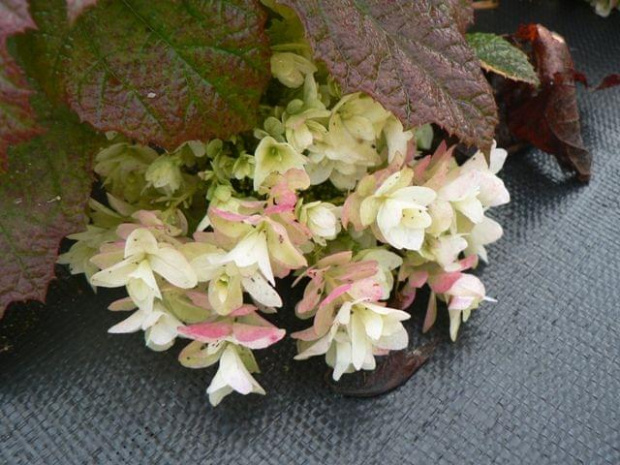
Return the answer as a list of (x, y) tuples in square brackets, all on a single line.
[(330, 188)]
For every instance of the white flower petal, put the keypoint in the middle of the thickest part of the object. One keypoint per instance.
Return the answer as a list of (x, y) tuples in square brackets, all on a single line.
[(471, 208), (140, 241), (261, 291), (373, 324), (343, 359), (173, 267), (164, 331), (129, 325), (359, 341), (401, 237), (396, 341), (421, 196), (115, 276)]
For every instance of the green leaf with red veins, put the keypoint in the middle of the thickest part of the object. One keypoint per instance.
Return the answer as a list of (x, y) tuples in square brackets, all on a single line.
[(17, 119), (168, 71), (409, 55), (42, 199)]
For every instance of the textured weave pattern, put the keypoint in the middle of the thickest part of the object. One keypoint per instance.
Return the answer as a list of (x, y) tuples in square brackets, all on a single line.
[(533, 379)]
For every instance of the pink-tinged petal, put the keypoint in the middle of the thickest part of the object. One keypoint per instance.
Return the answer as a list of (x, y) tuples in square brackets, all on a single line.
[(431, 313), (257, 337), (311, 298), (323, 319), (296, 179), (207, 332), (340, 258), (351, 212), (357, 270), (199, 299), (440, 284), (253, 205), (280, 208), (468, 262), (442, 154), (148, 218), (229, 216), (468, 285), (406, 297), (121, 305), (280, 270), (124, 230), (461, 302), (418, 278), (283, 194), (419, 170), (309, 272), (337, 292), (308, 334), (367, 289), (244, 310)]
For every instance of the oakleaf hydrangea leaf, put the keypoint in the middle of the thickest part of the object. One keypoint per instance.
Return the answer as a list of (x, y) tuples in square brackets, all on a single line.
[(499, 56), (410, 56), (42, 199), (14, 17), (17, 119), (167, 71), (463, 14)]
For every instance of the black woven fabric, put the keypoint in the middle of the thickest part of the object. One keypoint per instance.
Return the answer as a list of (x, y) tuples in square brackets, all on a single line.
[(533, 379)]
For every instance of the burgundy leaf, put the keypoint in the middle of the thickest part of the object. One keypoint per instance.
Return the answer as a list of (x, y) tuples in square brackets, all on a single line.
[(612, 80), (42, 199), (463, 14), (17, 119), (548, 116), (409, 55), (14, 17), (167, 71)]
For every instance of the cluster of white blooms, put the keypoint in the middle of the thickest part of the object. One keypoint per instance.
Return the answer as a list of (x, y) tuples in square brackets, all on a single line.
[(330, 188)]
